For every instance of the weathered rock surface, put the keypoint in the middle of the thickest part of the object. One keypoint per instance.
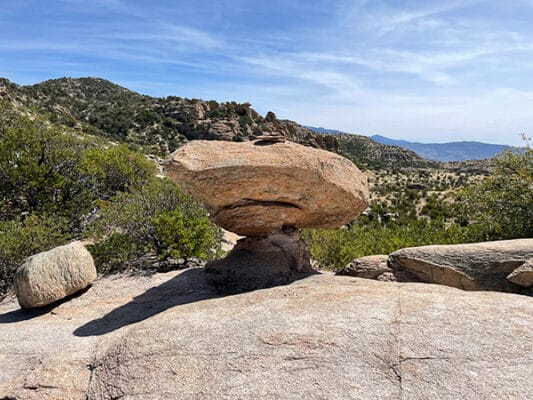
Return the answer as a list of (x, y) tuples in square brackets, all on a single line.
[(52, 275), (523, 275), (170, 336), (261, 262), (255, 188), (474, 266), (377, 267), (368, 267), (228, 240)]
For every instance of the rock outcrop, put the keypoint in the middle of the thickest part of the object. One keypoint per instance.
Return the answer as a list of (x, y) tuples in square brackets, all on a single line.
[(256, 188), (52, 275), (369, 267), (523, 275), (377, 267), (170, 336), (266, 190), (473, 266)]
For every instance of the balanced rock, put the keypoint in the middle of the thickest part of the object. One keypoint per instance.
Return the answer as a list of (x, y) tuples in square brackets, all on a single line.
[(256, 188), (52, 275), (472, 266), (523, 275)]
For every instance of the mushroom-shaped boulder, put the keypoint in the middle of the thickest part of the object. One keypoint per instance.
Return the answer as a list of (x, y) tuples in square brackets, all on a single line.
[(256, 188)]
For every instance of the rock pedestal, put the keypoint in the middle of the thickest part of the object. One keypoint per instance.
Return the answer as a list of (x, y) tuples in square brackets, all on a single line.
[(266, 190), (260, 262)]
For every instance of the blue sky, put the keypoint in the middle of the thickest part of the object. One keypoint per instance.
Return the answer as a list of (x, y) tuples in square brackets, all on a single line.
[(417, 70)]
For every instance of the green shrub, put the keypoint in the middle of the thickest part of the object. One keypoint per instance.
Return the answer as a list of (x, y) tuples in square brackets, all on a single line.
[(186, 232), (112, 254), (334, 249), (115, 169), (153, 218), (501, 206), (44, 169)]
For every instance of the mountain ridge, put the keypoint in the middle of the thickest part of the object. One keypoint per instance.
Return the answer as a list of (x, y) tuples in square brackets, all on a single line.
[(449, 151), (158, 126)]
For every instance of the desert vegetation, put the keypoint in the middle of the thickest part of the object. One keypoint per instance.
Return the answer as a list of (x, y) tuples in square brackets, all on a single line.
[(56, 186), (435, 206)]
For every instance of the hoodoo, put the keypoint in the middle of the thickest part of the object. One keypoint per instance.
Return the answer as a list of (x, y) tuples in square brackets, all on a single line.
[(267, 189)]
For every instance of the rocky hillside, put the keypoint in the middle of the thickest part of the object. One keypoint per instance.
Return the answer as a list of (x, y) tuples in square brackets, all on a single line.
[(170, 336), (159, 125), (370, 154), (97, 106)]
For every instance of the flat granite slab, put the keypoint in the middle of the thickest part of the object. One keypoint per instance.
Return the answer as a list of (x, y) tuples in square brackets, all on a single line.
[(170, 336)]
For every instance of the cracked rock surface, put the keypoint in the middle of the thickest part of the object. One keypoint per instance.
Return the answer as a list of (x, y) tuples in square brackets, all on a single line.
[(170, 336), (469, 266)]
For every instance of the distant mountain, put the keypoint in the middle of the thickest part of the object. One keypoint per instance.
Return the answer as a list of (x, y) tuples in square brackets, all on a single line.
[(452, 151)]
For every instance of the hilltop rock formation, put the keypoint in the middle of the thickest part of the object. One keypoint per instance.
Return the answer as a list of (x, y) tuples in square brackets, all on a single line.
[(255, 188), (472, 266), (268, 189), (53, 275), (170, 336)]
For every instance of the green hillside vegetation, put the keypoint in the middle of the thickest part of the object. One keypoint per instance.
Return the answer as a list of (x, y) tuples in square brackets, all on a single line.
[(369, 154), (157, 125), (56, 186), (438, 209)]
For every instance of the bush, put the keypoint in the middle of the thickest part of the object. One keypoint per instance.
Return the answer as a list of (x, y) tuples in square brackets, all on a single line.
[(111, 255), (46, 170), (186, 232), (115, 169), (501, 206), (153, 218), (334, 249)]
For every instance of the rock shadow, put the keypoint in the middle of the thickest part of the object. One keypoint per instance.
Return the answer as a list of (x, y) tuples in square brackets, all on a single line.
[(187, 287), (22, 314)]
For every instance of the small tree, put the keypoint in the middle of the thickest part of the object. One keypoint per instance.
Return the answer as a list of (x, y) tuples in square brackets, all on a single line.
[(501, 206)]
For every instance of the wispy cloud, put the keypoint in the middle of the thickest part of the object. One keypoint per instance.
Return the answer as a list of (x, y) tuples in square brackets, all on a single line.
[(293, 67), (406, 67)]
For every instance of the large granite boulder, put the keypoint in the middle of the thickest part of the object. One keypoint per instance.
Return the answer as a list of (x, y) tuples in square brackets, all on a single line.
[(472, 266), (256, 188), (171, 336), (52, 275)]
